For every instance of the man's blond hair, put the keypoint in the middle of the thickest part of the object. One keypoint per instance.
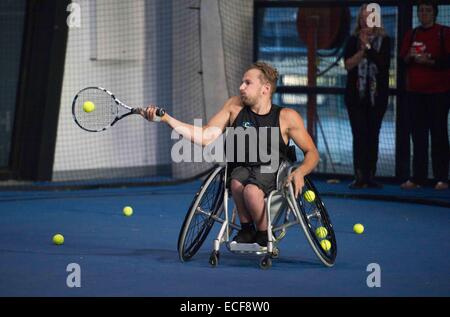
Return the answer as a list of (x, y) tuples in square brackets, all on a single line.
[(268, 74)]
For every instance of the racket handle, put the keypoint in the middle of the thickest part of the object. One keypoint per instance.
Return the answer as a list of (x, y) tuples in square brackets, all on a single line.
[(160, 112)]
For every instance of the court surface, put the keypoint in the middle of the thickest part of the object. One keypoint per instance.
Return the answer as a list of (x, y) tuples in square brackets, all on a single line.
[(137, 255)]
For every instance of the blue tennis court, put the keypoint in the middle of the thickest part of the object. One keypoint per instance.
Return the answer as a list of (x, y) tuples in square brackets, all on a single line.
[(102, 100)]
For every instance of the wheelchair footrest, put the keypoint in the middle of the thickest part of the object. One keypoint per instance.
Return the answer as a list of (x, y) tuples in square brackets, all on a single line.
[(246, 247)]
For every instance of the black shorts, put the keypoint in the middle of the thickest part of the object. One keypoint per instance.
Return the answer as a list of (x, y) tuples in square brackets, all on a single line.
[(252, 175)]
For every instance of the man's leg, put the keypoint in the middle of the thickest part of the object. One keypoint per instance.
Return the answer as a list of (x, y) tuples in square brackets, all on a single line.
[(237, 191), (247, 232), (254, 201)]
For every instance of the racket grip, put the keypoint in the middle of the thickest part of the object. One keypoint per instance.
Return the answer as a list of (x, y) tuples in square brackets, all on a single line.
[(160, 112)]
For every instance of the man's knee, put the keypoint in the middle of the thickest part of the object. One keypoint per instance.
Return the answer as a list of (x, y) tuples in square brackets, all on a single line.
[(236, 186), (252, 191)]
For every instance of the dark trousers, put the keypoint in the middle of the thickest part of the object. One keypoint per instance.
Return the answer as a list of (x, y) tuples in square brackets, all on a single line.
[(365, 121), (429, 113)]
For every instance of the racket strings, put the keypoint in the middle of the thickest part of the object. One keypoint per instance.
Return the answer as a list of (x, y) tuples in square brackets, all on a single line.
[(104, 113)]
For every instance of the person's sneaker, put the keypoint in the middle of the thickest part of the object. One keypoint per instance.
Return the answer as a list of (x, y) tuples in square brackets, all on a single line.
[(261, 238), (441, 186), (246, 235), (409, 185)]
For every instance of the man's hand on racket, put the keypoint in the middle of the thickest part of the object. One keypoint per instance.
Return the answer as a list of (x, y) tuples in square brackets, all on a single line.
[(150, 114)]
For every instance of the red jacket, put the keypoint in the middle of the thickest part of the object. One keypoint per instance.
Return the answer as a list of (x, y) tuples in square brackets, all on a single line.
[(423, 78)]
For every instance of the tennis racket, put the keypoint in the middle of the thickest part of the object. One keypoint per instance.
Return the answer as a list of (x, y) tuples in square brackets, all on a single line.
[(95, 109)]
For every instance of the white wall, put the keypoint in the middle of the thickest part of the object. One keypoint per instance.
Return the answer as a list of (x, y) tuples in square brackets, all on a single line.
[(127, 67), (150, 52), (187, 96), (237, 34)]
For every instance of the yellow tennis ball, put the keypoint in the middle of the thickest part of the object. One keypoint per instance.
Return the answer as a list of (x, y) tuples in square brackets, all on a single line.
[(127, 211), (325, 244), (321, 232), (309, 196), (88, 106), (58, 239), (358, 228)]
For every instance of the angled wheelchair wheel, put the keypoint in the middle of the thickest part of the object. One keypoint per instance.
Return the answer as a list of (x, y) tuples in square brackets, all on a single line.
[(207, 204), (315, 222)]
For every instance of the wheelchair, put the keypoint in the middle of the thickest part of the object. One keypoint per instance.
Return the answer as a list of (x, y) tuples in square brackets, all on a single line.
[(210, 206)]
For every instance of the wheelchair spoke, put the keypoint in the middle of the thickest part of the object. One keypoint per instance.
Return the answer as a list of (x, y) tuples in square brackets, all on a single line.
[(315, 214)]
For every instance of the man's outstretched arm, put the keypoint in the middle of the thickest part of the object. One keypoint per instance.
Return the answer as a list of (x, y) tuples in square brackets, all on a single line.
[(200, 135)]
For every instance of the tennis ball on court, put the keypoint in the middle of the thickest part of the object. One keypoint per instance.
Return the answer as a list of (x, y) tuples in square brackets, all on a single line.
[(309, 196), (127, 211), (358, 228), (58, 239), (325, 244), (321, 232), (88, 106)]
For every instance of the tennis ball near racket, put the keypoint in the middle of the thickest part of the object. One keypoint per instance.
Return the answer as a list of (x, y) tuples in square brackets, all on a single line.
[(325, 244), (309, 196), (358, 228), (321, 232), (127, 211), (58, 239), (88, 106)]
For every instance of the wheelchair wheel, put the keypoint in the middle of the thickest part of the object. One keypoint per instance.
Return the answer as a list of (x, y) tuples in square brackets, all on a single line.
[(313, 215), (208, 202)]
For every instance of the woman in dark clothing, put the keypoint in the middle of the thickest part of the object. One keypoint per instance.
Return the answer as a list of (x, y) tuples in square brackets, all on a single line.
[(367, 60)]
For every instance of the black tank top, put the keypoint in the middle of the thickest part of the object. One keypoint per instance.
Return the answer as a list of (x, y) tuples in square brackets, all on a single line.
[(247, 118)]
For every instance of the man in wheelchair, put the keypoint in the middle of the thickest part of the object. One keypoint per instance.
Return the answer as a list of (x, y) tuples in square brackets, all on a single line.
[(248, 181)]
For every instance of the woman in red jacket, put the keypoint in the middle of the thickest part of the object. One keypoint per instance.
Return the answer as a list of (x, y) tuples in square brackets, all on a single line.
[(425, 50)]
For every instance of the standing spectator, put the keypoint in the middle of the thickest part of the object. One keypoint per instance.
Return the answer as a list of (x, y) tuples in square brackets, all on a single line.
[(367, 60), (425, 51)]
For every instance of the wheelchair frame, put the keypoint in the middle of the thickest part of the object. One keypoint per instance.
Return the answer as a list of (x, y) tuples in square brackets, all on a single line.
[(289, 207)]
